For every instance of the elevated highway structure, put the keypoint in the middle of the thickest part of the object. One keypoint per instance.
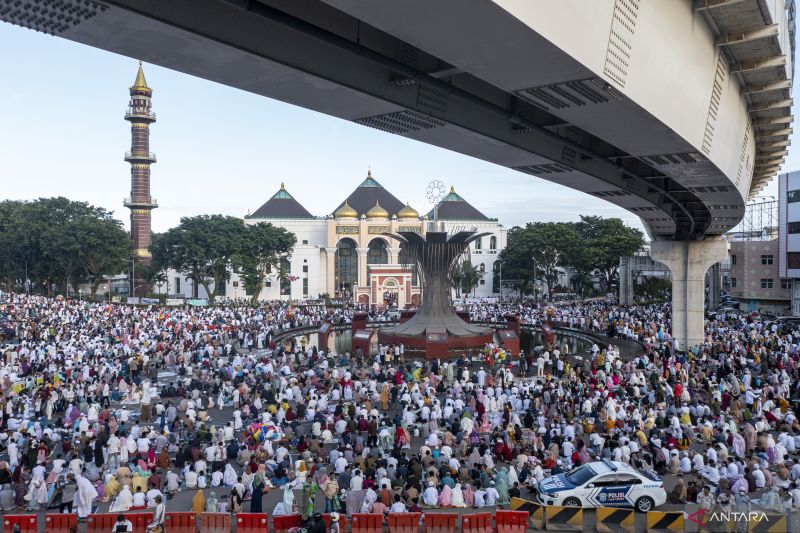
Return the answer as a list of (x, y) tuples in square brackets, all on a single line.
[(677, 110)]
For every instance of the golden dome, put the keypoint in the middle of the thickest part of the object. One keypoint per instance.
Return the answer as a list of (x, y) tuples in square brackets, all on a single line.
[(407, 212), (377, 212), (345, 211)]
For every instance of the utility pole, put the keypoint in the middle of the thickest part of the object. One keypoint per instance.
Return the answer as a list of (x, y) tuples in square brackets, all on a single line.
[(501, 281)]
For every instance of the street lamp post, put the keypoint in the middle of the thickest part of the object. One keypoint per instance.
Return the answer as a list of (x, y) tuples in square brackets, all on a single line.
[(500, 262), (133, 277)]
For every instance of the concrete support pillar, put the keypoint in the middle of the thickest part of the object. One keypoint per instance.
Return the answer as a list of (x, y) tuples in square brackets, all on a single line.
[(625, 281), (714, 285), (688, 261)]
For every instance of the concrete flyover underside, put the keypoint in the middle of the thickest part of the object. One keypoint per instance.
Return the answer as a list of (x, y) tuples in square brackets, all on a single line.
[(676, 111)]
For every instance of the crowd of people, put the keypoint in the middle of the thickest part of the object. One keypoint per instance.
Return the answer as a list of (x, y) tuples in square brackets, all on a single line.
[(133, 406)]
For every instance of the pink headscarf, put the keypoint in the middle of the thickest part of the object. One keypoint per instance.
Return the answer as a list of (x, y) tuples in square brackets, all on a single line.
[(445, 498), (469, 495)]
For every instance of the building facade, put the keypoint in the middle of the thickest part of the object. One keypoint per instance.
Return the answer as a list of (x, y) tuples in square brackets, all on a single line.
[(789, 234), (755, 277), (347, 253)]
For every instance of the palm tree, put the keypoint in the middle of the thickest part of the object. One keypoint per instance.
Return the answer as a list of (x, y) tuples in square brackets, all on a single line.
[(465, 277)]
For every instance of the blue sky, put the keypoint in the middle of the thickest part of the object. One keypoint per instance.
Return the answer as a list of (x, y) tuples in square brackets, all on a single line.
[(221, 150)]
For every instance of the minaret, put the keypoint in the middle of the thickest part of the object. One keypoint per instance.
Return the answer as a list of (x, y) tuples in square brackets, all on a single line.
[(140, 202)]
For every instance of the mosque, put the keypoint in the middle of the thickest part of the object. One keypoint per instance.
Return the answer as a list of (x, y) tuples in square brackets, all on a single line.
[(346, 254)]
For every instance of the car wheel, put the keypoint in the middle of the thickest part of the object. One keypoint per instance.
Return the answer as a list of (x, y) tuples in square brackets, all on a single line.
[(571, 502), (644, 504)]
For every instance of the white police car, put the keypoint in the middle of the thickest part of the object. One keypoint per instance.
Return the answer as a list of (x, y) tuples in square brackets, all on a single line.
[(604, 484)]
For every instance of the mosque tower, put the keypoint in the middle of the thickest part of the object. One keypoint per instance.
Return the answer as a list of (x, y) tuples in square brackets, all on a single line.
[(140, 202)]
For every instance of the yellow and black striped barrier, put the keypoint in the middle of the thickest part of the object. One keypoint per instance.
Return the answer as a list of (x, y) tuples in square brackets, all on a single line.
[(613, 520), (560, 518), (535, 511), (665, 522), (770, 523)]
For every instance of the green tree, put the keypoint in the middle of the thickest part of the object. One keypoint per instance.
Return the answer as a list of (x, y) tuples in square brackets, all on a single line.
[(59, 242), (102, 246), (578, 256), (263, 248), (537, 251), (608, 239), (464, 277), (12, 265), (203, 248)]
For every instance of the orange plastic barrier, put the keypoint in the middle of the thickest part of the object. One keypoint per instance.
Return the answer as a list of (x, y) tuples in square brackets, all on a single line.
[(26, 522), (140, 521), (342, 521), (282, 524), (440, 522), (60, 523), (511, 521), (252, 523), (215, 523), (403, 522), (181, 522), (477, 523), (96, 523), (366, 523)]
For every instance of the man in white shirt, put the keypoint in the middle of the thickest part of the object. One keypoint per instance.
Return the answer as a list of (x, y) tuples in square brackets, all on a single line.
[(112, 446), (491, 495), (151, 497), (122, 524), (341, 463), (761, 480), (711, 474), (191, 479), (139, 499), (397, 506)]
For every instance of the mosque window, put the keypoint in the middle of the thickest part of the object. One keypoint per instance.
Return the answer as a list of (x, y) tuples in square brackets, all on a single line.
[(378, 254)]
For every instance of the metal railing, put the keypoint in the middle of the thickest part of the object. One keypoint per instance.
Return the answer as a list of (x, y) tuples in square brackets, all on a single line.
[(140, 200), (134, 112), (140, 155)]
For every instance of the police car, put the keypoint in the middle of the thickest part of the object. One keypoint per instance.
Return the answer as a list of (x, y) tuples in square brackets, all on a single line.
[(604, 484)]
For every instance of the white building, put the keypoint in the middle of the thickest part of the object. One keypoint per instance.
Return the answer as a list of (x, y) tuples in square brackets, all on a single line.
[(346, 253)]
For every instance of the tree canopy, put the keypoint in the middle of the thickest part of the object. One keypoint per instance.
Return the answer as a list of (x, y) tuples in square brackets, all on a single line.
[(263, 248), (208, 248), (541, 250), (464, 277), (57, 242)]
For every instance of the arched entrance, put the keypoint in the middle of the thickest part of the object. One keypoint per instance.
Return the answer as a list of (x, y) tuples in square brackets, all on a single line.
[(390, 292), (346, 266)]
